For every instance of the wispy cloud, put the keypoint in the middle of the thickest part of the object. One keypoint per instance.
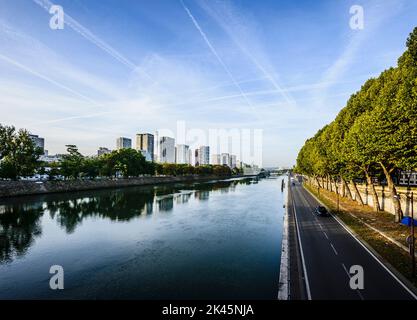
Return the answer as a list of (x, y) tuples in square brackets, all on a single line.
[(214, 51), (240, 29), (375, 17), (43, 77), (87, 34)]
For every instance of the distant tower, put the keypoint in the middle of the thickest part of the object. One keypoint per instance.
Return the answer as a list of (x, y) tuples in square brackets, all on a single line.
[(167, 150), (38, 141), (145, 144), (123, 143), (204, 155)]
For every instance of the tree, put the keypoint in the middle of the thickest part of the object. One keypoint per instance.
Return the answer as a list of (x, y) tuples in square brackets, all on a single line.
[(7, 135), (72, 162), (19, 155), (376, 129), (127, 162), (91, 167)]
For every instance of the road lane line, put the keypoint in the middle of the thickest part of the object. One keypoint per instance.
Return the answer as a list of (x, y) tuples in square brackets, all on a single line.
[(334, 249), (412, 294), (325, 234), (301, 251), (348, 274)]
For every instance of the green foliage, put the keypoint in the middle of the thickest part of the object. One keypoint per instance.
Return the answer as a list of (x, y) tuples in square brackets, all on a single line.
[(376, 130), (126, 162), (18, 154), (72, 163), (18, 158)]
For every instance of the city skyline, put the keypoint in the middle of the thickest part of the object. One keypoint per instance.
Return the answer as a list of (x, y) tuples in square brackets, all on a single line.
[(212, 64)]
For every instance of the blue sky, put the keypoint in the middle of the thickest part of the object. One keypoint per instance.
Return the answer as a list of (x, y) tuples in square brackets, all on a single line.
[(123, 67)]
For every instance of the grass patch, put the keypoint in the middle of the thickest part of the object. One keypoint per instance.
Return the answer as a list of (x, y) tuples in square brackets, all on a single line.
[(383, 221)]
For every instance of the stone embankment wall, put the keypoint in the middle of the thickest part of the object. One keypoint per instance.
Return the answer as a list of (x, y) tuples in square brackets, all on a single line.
[(20, 188)]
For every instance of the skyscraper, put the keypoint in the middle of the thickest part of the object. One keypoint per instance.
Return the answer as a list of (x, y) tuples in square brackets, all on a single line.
[(204, 155), (225, 159), (38, 141), (123, 143), (215, 159), (156, 152), (145, 144), (196, 157), (233, 161), (167, 150), (103, 150), (182, 154)]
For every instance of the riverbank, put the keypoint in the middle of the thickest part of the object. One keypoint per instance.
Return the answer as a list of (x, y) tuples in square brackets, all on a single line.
[(24, 188), (377, 230)]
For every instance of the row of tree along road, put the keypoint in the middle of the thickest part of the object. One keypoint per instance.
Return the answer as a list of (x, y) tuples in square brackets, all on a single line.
[(19, 158), (374, 134)]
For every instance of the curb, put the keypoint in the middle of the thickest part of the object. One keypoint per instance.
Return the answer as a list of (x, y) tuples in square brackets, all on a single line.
[(284, 274)]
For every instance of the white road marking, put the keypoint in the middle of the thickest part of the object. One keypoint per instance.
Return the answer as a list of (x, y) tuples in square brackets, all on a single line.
[(334, 249), (348, 274), (325, 234), (302, 252), (370, 252)]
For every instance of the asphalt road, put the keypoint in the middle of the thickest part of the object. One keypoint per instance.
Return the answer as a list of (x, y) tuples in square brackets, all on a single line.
[(328, 251)]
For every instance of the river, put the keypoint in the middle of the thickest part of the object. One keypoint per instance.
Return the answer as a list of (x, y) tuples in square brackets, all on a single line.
[(211, 240)]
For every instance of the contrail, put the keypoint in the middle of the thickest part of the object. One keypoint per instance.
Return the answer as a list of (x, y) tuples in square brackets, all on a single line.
[(213, 50), (91, 115), (37, 74), (255, 61), (87, 34)]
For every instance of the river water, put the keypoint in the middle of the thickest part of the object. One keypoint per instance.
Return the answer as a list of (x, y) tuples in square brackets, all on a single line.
[(214, 240)]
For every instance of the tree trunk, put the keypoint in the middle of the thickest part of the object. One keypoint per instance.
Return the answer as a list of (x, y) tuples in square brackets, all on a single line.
[(336, 187), (394, 195), (375, 200), (358, 195), (349, 194), (318, 182), (331, 185)]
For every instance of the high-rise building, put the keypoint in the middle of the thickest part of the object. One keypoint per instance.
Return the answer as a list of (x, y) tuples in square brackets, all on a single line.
[(123, 143), (215, 159), (167, 150), (103, 150), (146, 155), (156, 151), (38, 141), (182, 154), (196, 157), (233, 162), (145, 144), (225, 159), (190, 156), (204, 155)]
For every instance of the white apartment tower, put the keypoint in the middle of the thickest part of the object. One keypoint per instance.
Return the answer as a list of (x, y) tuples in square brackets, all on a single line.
[(204, 155), (167, 150), (182, 154), (215, 159)]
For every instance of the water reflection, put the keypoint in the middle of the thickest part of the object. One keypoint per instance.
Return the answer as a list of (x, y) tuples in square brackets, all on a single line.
[(20, 218), (17, 231)]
